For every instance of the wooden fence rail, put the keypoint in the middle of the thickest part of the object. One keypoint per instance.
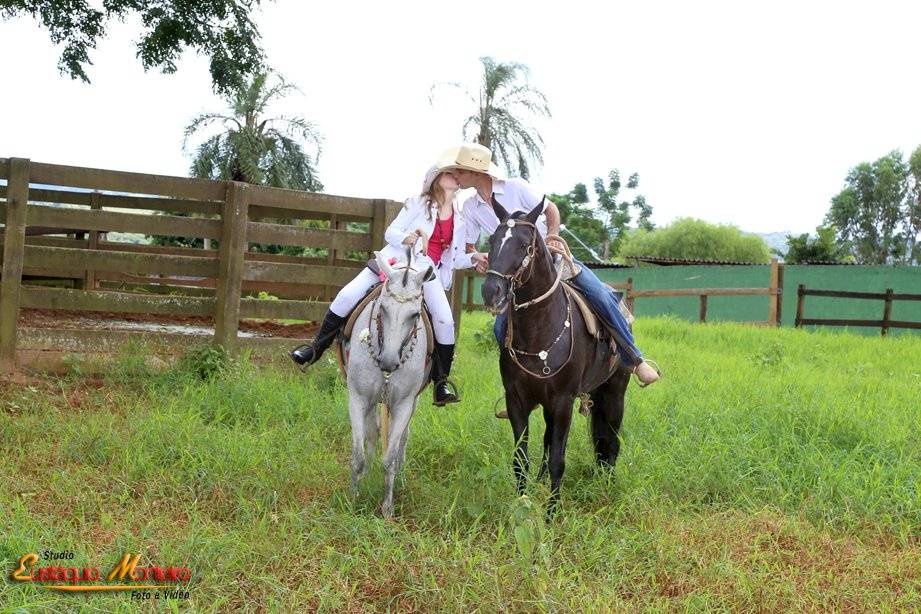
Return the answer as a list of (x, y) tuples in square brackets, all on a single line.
[(110, 276), (884, 325)]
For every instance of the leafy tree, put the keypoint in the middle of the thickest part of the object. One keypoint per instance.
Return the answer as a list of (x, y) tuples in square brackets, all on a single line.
[(252, 147), (618, 213), (869, 213), (219, 29), (913, 207), (255, 148), (696, 239), (821, 248), (504, 96), (579, 220)]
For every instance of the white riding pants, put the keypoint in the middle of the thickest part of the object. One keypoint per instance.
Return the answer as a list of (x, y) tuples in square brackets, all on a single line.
[(433, 291)]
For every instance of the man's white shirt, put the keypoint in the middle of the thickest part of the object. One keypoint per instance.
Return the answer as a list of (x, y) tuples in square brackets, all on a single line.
[(514, 194)]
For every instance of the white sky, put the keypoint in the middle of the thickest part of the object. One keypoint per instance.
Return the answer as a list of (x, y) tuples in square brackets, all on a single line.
[(731, 112)]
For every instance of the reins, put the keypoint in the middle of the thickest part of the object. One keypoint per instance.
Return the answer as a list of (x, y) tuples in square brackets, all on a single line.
[(518, 278)]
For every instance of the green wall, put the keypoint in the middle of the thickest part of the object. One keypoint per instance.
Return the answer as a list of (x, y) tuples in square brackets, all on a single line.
[(754, 308)]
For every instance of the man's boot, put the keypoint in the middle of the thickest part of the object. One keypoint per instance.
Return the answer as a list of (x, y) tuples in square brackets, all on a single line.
[(442, 358), (305, 355)]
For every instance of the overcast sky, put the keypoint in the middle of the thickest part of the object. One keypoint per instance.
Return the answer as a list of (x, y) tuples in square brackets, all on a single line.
[(729, 112)]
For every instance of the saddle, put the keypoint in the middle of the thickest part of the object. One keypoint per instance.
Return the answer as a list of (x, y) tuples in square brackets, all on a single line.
[(346, 333), (595, 325)]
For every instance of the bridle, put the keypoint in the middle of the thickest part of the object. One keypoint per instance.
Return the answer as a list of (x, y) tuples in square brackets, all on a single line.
[(520, 277), (409, 342)]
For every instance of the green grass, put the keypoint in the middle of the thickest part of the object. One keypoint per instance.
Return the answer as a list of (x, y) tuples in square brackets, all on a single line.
[(769, 470)]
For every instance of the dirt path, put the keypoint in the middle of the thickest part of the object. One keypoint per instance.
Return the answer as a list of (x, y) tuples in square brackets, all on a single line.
[(105, 320)]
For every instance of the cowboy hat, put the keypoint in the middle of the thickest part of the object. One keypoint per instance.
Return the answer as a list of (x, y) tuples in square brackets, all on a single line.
[(430, 176), (470, 157)]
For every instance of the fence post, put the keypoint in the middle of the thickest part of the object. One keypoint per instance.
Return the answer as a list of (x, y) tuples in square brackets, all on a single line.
[(887, 312), (14, 243), (627, 295), (772, 303), (779, 289), (230, 265), (332, 255), (92, 242), (469, 279), (703, 308), (378, 226), (800, 304), (457, 290)]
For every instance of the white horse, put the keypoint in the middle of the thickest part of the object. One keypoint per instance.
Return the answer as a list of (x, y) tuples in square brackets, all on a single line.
[(387, 363)]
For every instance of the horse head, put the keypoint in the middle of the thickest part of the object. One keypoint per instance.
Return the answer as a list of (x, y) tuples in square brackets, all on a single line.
[(512, 248), (396, 313)]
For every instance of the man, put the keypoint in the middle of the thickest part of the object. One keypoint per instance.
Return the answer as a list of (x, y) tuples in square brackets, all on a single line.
[(472, 166)]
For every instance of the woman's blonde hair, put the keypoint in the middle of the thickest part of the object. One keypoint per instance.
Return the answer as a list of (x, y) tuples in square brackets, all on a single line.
[(435, 194)]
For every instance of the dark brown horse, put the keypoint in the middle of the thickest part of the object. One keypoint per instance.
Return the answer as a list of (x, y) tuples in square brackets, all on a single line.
[(548, 357)]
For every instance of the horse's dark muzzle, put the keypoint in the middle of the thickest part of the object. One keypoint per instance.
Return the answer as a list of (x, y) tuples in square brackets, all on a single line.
[(495, 293)]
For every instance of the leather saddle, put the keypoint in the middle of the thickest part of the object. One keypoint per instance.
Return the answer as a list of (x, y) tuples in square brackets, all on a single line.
[(595, 325)]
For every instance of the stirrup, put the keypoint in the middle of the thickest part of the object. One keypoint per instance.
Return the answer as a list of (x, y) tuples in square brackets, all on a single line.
[(452, 388), (497, 413), (302, 367), (652, 364)]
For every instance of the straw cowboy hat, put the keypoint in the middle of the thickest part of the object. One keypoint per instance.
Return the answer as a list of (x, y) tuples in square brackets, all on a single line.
[(470, 157)]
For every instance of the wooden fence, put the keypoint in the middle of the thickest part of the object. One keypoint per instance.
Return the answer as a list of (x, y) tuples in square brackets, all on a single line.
[(774, 291), (884, 325), (169, 280)]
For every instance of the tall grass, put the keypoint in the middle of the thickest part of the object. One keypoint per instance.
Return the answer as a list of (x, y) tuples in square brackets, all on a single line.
[(770, 469)]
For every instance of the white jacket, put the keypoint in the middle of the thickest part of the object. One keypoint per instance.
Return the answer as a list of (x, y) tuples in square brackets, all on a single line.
[(413, 216)]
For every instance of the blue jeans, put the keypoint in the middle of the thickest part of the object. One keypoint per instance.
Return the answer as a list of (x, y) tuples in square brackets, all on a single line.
[(605, 302)]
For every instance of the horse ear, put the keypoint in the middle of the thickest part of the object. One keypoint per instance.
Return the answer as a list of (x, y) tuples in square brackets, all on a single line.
[(427, 275), (534, 213), (501, 213), (383, 264)]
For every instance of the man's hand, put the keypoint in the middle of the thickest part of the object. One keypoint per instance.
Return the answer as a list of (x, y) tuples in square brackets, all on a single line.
[(481, 261), (553, 243)]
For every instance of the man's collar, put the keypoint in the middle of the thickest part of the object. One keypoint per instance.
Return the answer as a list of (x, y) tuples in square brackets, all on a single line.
[(498, 187)]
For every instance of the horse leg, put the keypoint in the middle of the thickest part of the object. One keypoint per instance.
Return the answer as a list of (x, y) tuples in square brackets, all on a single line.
[(561, 415), (359, 408), (518, 416), (607, 416), (401, 413), (548, 435), (372, 433)]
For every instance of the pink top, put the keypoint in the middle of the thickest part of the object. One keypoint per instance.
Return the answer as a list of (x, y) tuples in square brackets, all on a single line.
[(440, 240)]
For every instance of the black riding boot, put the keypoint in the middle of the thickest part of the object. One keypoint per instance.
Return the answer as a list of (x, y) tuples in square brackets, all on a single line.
[(308, 354), (441, 368)]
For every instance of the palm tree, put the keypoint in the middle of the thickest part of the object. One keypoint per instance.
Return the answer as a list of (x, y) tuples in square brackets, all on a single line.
[(254, 148), (503, 96)]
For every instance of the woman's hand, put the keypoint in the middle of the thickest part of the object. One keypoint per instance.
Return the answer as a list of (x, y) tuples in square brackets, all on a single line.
[(481, 261), (418, 235)]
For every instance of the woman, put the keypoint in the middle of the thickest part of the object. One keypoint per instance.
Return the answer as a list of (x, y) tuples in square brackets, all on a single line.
[(434, 218)]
